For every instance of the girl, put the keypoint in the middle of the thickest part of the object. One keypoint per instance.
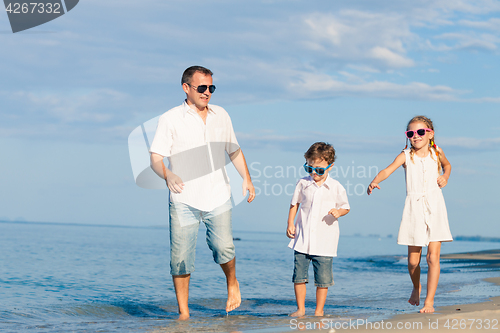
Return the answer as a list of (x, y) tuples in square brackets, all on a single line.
[(425, 221)]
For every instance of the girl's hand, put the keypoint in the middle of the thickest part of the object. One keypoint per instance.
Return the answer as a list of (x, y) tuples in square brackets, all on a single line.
[(442, 181), (371, 187), (334, 212), (290, 231)]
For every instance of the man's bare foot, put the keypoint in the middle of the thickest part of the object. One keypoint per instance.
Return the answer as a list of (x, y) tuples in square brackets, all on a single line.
[(415, 296), (428, 308), (298, 313), (233, 297), (183, 316)]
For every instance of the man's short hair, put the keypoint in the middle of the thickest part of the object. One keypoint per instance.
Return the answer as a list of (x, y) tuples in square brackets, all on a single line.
[(188, 73), (321, 150)]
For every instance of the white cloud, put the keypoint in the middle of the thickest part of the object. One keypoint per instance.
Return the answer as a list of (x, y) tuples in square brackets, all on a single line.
[(469, 6), (471, 144), (390, 58), (471, 41), (323, 49), (75, 107), (358, 38), (491, 24), (356, 143), (484, 100), (300, 141), (322, 85), (90, 115)]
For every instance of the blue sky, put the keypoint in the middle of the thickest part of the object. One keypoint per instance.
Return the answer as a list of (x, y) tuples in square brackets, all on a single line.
[(290, 73)]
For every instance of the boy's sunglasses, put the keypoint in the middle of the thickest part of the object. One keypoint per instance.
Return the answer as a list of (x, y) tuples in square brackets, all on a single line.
[(319, 171), (419, 132), (202, 88)]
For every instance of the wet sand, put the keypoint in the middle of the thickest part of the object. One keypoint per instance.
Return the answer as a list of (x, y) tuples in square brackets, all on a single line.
[(481, 259), (478, 317)]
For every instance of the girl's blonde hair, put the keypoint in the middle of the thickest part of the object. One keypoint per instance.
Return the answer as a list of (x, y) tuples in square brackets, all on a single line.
[(432, 144)]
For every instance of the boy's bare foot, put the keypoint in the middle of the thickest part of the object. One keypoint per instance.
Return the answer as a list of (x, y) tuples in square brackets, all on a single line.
[(428, 308), (298, 313), (183, 316), (415, 296), (233, 297)]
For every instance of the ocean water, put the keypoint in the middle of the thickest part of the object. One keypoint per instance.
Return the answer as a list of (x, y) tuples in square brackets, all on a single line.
[(74, 278)]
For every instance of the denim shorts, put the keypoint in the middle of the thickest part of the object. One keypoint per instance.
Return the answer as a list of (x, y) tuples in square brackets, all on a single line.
[(323, 269), (184, 225)]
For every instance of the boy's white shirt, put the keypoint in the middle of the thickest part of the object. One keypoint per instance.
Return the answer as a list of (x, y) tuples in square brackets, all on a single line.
[(316, 231)]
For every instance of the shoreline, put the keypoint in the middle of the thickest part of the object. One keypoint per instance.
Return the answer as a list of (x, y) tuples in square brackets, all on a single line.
[(474, 317)]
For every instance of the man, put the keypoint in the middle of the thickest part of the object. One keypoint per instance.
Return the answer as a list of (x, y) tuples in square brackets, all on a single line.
[(195, 137)]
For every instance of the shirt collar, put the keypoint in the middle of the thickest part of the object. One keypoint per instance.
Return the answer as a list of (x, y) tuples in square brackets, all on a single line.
[(187, 108), (326, 183)]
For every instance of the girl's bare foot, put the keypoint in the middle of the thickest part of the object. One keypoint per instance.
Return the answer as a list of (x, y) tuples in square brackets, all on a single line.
[(298, 313), (183, 316), (319, 313), (415, 296), (428, 308)]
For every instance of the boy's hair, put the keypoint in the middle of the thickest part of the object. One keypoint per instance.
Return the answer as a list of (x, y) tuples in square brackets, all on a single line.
[(321, 150), (189, 72)]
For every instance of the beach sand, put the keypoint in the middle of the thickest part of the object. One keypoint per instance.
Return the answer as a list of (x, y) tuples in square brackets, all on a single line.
[(478, 317)]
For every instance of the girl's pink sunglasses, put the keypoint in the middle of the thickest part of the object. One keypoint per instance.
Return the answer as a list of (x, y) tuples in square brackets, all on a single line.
[(419, 132)]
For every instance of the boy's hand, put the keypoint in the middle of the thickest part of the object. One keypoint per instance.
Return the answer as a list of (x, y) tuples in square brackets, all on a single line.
[(334, 212), (442, 181), (371, 187), (290, 231)]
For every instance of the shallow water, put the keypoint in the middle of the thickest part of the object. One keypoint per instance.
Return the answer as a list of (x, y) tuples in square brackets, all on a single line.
[(60, 278)]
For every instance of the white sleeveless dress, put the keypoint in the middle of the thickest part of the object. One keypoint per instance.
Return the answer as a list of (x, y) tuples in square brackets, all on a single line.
[(424, 217)]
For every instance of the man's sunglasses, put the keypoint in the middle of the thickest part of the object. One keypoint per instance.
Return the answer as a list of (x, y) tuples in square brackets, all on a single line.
[(419, 132), (319, 171), (202, 88)]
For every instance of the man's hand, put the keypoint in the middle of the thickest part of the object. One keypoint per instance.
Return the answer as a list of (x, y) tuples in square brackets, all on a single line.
[(174, 183), (290, 231), (248, 186)]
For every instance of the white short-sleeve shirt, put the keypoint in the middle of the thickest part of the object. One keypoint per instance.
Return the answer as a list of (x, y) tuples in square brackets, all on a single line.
[(197, 153), (316, 231)]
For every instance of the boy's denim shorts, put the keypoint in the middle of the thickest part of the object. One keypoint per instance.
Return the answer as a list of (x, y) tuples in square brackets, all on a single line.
[(323, 269), (184, 225)]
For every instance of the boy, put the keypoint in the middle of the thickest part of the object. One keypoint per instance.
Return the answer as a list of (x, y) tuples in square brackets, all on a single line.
[(315, 235)]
